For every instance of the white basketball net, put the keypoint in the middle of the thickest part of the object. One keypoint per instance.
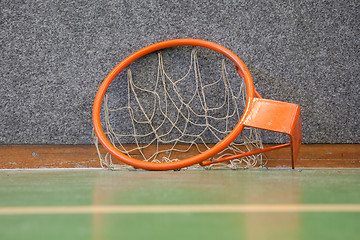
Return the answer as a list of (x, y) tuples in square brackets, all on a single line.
[(176, 119)]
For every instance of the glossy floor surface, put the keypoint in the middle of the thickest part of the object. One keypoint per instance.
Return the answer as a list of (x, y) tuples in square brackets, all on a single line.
[(214, 204)]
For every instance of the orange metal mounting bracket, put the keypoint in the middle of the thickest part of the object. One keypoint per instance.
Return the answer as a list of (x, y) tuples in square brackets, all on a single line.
[(274, 116)]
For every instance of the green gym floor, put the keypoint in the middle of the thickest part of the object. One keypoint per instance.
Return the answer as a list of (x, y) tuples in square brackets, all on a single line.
[(195, 204)]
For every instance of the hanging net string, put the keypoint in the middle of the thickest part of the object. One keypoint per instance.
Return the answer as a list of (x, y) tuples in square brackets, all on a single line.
[(179, 118)]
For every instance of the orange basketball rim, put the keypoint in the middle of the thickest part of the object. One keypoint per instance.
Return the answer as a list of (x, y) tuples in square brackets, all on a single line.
[(259, 113)]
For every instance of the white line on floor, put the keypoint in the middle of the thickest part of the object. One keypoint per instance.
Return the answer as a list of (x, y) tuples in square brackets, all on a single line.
[(236, 208)]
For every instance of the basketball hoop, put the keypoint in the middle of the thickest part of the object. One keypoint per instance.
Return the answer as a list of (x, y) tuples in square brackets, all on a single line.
[(258, 113)]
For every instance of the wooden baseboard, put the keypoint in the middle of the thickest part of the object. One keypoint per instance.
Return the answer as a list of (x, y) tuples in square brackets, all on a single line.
[(318, 156), (85, 156)]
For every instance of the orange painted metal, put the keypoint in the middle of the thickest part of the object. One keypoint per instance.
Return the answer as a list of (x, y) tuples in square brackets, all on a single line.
[(254, 114), (274, 116), (205, 163), (279, 117), (295, 140)]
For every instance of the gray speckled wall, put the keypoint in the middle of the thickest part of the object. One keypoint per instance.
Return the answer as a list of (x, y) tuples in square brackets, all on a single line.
[(54, 55)]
